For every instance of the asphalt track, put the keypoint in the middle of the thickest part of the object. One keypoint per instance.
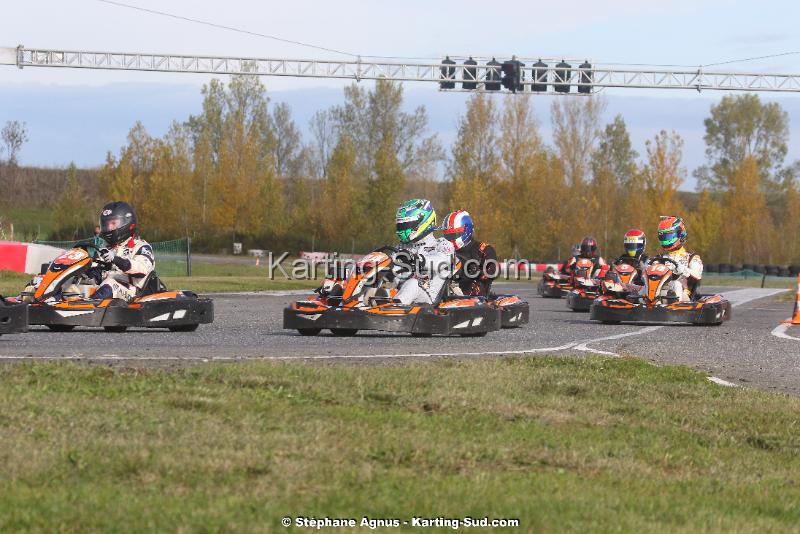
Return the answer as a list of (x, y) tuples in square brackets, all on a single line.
[(750, 349)]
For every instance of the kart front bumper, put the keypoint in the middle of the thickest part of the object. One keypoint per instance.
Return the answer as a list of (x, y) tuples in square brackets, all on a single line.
[(550, 291), (13, 318), (579, 302), (410, 319), (698, 313), (167, 313)]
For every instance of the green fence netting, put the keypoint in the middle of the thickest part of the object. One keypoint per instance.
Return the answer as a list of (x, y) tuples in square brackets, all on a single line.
[(748, 278), (173, 258)]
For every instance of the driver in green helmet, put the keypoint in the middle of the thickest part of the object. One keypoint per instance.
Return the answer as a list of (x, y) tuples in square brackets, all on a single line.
[(431, 258)]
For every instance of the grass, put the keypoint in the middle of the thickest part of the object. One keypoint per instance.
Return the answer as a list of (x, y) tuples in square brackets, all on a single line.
[(12, 283), (562, 444)]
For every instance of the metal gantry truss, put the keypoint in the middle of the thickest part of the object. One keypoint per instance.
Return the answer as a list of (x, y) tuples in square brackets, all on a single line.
[(548, 79)]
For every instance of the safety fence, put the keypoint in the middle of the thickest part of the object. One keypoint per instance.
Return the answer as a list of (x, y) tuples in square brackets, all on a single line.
[(173, 258)]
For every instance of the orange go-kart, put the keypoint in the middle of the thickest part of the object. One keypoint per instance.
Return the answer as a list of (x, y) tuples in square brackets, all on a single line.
[(514, 312), (658, 303), (363, 299), (554, 284), (13, 317), (61, 299), (585, 287)]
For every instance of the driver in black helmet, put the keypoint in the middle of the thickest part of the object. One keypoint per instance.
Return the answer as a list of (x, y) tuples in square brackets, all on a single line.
[(128, 260)]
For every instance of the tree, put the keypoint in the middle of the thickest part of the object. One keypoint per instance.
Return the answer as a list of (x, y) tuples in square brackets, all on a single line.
[(613, 169), (341, 209), (747, 225), (658, 182), (14, 135), (71, 215), (576, 129), (475, 164), (741, 127), (705, 227)]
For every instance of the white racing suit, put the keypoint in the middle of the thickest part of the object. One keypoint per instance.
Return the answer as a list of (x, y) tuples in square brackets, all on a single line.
[(689, 271), (134, 260), (436, 257)]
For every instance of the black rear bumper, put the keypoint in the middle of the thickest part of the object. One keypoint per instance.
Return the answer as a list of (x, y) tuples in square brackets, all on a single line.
[(711, 313), (13, 318), (578, 302), (167, 313), (449, 321), (550, 291)]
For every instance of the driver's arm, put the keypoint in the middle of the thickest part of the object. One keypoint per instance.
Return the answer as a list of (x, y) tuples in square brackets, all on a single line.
[(696, 268), (142, 263)]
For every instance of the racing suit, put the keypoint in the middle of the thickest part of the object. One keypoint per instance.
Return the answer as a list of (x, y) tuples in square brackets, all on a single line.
[(690, 272), (426, 283), (132, 263), (478, 270)]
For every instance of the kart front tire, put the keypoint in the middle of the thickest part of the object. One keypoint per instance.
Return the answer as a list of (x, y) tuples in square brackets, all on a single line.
[(610, 322), (421, 334), (344, 332), (115, 329), (309, 331), (184, 328), (61, 327), (474, 334)]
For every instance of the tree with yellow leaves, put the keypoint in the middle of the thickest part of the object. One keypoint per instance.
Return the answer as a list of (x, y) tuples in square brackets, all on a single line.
[(656, 185)]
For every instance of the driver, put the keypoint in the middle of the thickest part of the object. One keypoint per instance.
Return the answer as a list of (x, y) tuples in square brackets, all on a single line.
[(588, 250), (634, 243), (433, 257), (129, 259), (478, 260), (672, 236)]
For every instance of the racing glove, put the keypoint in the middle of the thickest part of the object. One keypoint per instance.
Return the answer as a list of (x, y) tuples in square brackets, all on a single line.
[(106, 255)]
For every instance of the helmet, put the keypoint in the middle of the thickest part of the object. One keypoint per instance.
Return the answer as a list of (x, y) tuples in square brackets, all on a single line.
[(457, 228), (671, 233), (634, 242), (588, 247), (117, 222), (414, 220)]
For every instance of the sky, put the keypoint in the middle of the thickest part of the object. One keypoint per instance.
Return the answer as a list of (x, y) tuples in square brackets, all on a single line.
[(79, 115)]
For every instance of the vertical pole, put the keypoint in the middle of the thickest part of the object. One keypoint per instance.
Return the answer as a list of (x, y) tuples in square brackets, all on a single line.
[(188, 256)]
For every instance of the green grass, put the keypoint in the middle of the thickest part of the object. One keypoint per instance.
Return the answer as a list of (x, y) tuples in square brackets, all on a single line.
[(29, 223), (562, 444), (228, 284), (12, 283)]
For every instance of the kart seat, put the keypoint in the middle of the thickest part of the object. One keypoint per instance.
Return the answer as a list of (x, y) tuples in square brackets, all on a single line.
[(152, 284)]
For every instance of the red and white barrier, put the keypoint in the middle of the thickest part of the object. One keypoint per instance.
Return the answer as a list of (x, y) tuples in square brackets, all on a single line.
[(25, 257)]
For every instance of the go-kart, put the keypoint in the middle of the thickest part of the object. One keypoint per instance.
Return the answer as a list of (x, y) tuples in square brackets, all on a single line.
[(61, 299), (553, 284), (585, 288), (362, 298), (622, 271), (13, 317), (658, 303), (515, 312)]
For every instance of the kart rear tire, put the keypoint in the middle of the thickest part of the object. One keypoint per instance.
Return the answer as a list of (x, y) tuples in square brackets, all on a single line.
[(474, 334), (184, 328), (421, 334), (115, 329), (309, 331), (610, 322), (61, 327), (344, 332)]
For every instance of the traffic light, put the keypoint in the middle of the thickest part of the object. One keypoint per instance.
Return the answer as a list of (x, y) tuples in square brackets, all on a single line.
[(492, 76), (470, 74), (447, 73), (512, 75)]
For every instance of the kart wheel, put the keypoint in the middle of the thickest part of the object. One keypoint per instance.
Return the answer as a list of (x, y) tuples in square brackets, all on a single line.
[(421, 334), (184, 328), (309, 331), (610, 322), (344, 332), (475, 334), (61, 327), (115, 329)]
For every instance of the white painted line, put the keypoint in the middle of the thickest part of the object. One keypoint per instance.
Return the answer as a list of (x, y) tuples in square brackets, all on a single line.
[(583, 346), (780, 331), (722, 382), (265, 293)]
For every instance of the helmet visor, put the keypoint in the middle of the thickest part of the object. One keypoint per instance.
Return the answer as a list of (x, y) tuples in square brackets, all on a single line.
[(109, 224), (668, 238), (634, 249)]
